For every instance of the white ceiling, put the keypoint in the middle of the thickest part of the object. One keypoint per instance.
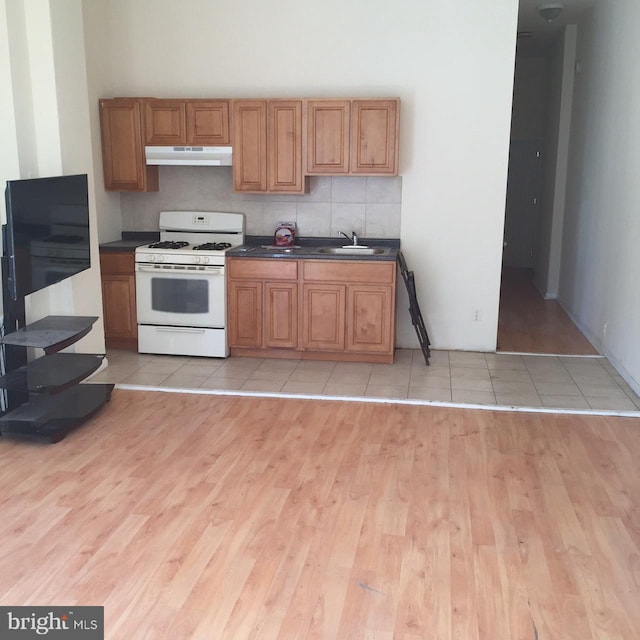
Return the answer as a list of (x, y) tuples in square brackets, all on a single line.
[(544, 32)]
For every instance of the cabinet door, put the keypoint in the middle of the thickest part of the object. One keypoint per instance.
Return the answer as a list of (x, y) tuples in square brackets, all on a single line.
[(117, 262), (323, 313), (164, 122), (374, 138), (208, 122), (122, 147), (369, 319), (328, 126), (119, 299), (250, 145), (245, 314), (119, 306), (284, 139), (281, 315)]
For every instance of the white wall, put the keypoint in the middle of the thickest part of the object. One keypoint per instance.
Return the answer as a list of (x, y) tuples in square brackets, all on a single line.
[(9, 167), (451, 63), (549, 252), (600, 278), (100, 85), (530, 96), (49, 106)]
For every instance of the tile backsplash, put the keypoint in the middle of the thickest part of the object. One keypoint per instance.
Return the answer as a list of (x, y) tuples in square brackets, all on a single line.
[(370, 206)]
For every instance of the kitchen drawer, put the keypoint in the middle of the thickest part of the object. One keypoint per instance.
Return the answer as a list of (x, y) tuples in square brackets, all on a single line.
[(347, 271), (117, 262), (240, 268)]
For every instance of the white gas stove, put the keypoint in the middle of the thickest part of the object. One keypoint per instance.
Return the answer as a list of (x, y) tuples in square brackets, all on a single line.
[(194, 237), (180, 283)]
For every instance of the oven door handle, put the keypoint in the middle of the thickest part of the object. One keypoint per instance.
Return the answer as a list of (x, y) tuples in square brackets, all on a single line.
[(178, 330)]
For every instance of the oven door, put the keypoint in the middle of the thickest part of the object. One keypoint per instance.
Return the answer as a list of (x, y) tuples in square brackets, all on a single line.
[(180, 295)]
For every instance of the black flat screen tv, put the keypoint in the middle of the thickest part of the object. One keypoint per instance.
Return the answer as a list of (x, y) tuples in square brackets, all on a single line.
[(46, 237)]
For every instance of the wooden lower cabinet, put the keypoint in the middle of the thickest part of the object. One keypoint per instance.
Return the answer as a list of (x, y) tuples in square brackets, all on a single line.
[(323, 318), (262, 303), (244, 305), (280, 315), (368, 322), (312, 309), (119, 300)]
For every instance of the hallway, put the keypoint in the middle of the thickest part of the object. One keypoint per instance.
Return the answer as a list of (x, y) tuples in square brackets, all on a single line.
[(527, 323)]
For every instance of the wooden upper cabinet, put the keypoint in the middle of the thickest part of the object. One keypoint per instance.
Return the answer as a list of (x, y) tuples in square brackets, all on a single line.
[(328, 127), (123, 148), (276, 143), (250, 145), (187, 122), (374, 138), (284, 141), (208, 123), (358, 137), (165, 122), (267, 146)]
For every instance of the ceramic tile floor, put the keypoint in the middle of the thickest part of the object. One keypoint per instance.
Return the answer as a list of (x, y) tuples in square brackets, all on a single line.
[(460, 377)]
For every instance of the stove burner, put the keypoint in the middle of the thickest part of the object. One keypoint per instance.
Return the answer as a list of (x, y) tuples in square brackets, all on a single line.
[(168, 244), (212, 246)]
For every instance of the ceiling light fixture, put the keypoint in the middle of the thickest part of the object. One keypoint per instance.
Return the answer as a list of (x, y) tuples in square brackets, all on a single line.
[(550, 10)]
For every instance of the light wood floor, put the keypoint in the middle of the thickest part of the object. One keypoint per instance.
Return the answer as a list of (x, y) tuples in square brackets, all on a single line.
[(527, 323), (196, 516)]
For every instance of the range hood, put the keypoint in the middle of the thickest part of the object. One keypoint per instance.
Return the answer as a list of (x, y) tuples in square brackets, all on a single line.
[(194, 156)]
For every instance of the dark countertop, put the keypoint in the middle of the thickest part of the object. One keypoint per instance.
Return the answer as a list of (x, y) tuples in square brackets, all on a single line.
[(122, 245), (312, 248), (130, 240), (260, 247)]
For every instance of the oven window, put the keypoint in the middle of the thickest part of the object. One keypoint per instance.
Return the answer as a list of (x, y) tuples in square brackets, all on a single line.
[(179, 295)]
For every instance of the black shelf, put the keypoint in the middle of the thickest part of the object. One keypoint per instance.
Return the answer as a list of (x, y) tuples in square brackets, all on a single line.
[(50, 418), (44, 398), (52, 373), (52, 333)]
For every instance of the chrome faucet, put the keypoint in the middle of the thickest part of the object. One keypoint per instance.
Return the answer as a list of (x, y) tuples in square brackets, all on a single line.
[(353, 239)]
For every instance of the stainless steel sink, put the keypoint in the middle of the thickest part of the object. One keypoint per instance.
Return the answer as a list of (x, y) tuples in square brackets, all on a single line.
[(353, 250)]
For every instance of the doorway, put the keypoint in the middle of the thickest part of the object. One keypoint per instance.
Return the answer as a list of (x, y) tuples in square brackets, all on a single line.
[(530, 319)]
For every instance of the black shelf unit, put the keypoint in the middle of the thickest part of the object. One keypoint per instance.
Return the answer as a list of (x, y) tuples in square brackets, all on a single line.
[(45, 398)]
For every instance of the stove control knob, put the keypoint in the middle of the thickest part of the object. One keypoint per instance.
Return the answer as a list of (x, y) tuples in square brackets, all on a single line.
[(196, 259), (160, 258), (152, 258), (205, 260)]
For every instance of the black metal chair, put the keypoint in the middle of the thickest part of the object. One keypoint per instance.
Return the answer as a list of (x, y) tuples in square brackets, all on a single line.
[(414, 308)]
